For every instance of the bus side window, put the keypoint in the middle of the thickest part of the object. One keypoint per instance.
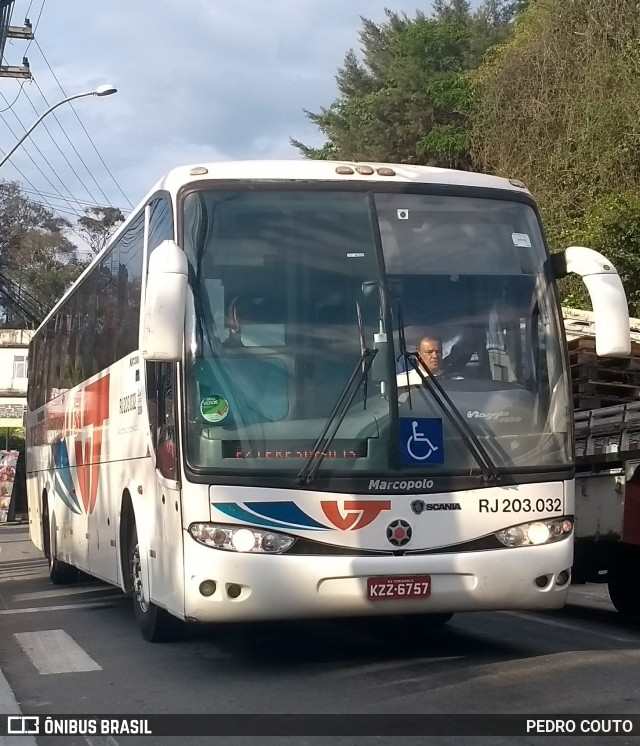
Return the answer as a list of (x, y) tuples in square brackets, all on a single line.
[(162, 417)]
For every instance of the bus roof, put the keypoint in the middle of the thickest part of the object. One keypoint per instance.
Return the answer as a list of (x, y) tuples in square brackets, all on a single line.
[(310, 170)]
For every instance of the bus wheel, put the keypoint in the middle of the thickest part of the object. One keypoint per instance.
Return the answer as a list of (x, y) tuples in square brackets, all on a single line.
[(624, 594), (156, 624), (60, 572)]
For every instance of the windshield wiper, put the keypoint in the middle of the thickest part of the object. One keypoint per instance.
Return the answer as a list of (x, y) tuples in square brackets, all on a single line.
[(442, 399), (360, 374)]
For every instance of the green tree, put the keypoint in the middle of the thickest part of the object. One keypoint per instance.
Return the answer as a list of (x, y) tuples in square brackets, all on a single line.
[(558, 106), (18, 214), (98, 224), (408, 97), (37, 260), (46, 265), (612, 226)]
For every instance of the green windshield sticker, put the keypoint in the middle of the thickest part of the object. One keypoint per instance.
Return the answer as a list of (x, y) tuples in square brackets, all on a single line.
[(214, 408)]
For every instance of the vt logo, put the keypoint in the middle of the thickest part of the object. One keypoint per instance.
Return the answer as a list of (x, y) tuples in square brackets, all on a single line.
[(94, 412), (359, 513)]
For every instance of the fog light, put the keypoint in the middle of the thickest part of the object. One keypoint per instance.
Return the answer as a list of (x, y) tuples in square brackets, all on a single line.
[(234, 590), (208, 587), (563, 578)]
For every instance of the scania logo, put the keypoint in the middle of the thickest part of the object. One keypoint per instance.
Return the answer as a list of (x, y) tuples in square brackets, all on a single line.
[(497, 416), (419, 506), (399, 533)]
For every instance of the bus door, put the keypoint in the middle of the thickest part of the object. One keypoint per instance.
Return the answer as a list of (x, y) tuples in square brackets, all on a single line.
[(166, 563)]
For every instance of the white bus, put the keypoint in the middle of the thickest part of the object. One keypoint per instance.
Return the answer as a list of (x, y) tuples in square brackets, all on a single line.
[(229, 420)]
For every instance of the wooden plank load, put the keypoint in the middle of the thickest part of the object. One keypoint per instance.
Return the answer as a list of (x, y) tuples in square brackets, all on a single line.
[(599, 382), (608, 434)]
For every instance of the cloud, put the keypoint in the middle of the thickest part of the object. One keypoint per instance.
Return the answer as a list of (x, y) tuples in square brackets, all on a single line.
[(198, 80)]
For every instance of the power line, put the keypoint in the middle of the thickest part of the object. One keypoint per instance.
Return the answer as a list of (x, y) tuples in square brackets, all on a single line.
[(75, 150), (48, 204), (10, 106), (28, 154), (85, 202), (60, 209), (77, 175), (35, 25), (85, 131)]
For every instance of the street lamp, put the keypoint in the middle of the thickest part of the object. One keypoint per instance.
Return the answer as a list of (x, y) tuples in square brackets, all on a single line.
[(101, 90)]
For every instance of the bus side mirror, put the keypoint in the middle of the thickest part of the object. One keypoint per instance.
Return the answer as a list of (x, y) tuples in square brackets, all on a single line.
[(164, 304), (611, 313)]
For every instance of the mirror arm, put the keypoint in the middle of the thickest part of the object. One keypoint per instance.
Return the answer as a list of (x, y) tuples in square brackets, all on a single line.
[(558, 263)]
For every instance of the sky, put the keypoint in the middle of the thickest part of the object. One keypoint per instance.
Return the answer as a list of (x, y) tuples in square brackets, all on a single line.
[(197, 80)]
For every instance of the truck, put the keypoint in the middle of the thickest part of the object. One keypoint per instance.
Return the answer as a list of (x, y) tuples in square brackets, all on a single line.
[(606, 396)]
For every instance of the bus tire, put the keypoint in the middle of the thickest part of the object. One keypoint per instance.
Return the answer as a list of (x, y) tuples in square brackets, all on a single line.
[(156, 624), (60, 572), (624, 594)]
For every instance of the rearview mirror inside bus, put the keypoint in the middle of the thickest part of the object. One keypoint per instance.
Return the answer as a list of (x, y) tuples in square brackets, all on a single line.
[(164, 304)]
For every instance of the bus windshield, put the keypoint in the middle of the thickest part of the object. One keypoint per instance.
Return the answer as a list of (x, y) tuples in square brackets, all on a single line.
[(289, 286)]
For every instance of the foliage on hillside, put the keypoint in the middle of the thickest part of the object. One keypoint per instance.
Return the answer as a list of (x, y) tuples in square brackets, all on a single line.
[(408, 97), (547, 91), (612, 226), (558, 106)]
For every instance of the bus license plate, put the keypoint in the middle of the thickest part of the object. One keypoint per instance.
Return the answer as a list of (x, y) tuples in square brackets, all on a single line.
[(398, 588)]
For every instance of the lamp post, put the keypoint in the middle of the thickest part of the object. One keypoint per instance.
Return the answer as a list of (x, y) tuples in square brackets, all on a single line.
[(102, 90)]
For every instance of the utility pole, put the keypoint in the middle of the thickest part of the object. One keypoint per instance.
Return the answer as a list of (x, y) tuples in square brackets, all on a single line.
[(13, 32)]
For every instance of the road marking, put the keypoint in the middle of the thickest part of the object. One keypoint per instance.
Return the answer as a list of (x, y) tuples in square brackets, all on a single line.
[(10, 706), (62, 592), (97, 604), (54, 651), (10, 569), (564, 625)]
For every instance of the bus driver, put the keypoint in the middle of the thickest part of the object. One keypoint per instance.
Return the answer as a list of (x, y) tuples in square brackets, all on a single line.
[(430, 351)]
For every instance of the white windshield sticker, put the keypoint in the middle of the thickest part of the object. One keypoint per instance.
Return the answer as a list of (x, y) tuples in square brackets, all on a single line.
[(521, 239)]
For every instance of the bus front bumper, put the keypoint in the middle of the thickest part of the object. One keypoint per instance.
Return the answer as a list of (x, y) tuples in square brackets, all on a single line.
[(256, 586)]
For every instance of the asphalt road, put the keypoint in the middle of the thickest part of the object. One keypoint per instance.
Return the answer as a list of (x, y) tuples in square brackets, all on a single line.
[(77, 649)]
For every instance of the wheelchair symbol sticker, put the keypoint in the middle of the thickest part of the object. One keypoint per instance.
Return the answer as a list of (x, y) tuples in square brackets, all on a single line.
[(421, 440)]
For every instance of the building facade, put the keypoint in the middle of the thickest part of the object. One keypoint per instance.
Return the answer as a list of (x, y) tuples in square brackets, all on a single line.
[(14, 370)]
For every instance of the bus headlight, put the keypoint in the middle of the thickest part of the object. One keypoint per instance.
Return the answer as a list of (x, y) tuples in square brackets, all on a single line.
[(535, 533), (240, 538)]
